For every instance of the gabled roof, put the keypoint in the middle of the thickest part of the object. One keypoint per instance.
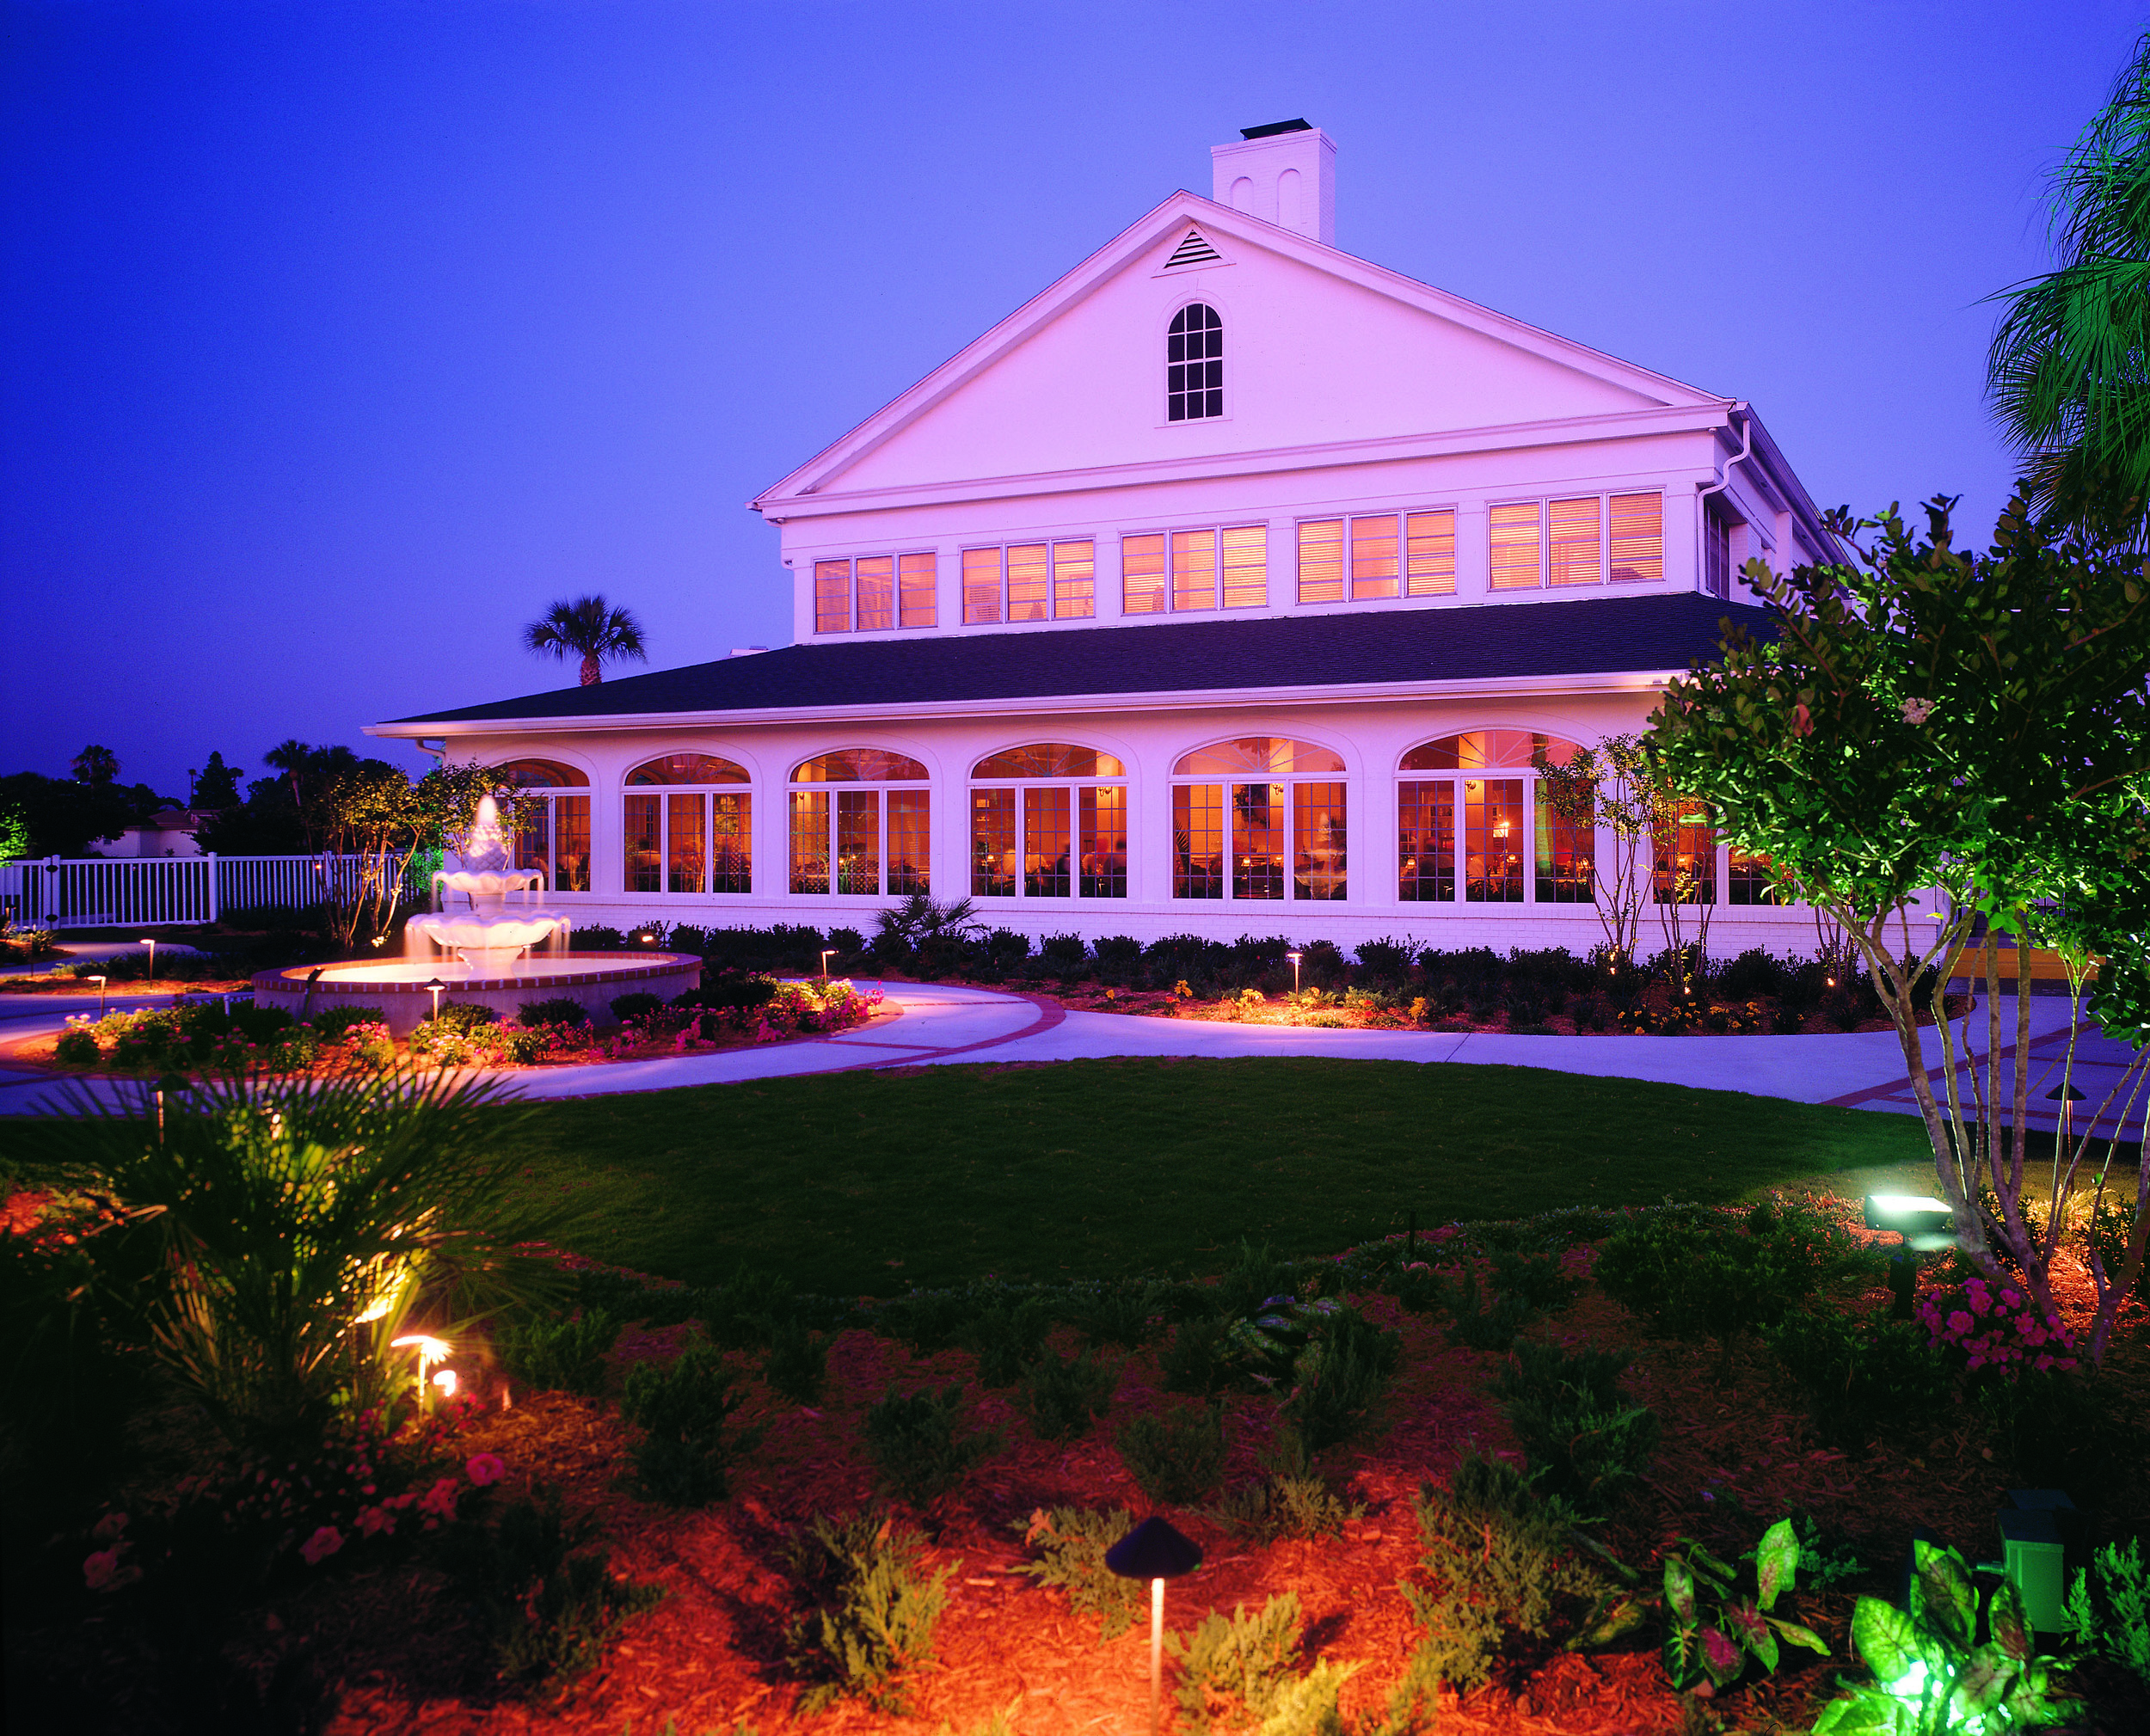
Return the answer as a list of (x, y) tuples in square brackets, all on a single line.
[(1220, 225), (1409, 649)]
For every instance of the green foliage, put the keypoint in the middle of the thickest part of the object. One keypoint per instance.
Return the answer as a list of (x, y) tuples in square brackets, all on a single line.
[(1535, 1279), (76, 1047), (1071, 1544), (560, 1355), (2109, 1606), (1930, 1677), (626, 1006), (1003, 1335), (1232, 1670), (1285, 1504), (1060, 1395), (1585, 1444), (798, 1361), (1198, 1360), (559, 1011), (1714, 1623), (913, 1442), (1127, 1314), (540, 1590), (273, 1212), (463, 1017), (1701, 1274), (926, 1320), (869, 1614), (1176, 1457), (1339, 1377), (1501, 1564), (683, 1407), (1483, 1321), (1864, 1377)]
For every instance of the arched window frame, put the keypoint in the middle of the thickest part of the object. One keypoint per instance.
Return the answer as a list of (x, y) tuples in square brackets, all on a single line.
[(1250, 836), (1051, 834), (1194, 364), (854, 836), (683, 833), (552, 836), (1480, 831)]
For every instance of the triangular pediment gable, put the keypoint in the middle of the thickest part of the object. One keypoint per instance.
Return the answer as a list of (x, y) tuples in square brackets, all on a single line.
[(1323, 349)]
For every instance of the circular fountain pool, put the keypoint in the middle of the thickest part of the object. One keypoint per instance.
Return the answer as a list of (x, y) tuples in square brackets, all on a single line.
[(400, 992)]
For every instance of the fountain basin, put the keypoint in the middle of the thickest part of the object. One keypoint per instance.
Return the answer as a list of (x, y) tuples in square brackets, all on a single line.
[(395, 991)]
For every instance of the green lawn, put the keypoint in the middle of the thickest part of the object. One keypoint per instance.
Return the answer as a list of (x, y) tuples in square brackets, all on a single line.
[(868, 1182)]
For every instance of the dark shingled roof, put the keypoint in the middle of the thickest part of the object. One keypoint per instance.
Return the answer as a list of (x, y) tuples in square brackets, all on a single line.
[(1585, 637)]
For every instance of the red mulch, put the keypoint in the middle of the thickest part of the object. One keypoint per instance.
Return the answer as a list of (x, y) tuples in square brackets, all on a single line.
[(711, 1654)]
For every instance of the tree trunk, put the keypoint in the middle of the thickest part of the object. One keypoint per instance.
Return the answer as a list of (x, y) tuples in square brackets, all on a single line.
[(590, 675)]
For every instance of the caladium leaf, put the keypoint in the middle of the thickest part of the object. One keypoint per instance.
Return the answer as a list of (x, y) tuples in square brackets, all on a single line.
[(1722, 1659), (1708, 1564), (1776, 1562), (1981, 1683), (2009, 1622), (1614, 1617), (1941, 1595), (1678, 1590), (1863, 1712), (1745, 1624), (1799, 1635), (1681, 1653), (1885, 1638)]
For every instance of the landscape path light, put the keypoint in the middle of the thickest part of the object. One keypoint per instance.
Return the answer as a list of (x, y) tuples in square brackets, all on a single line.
[(1927, 1225), (430, 1350), (827, 952), (1295, 958), (100, 982), (149, 941), (436, 985), (1156, 1552)]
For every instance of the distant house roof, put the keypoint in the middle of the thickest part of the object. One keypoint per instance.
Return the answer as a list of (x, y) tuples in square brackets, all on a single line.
[(1597, 636)]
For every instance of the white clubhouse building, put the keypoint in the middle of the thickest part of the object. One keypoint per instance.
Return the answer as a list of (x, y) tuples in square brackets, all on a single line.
[(1226, 587)]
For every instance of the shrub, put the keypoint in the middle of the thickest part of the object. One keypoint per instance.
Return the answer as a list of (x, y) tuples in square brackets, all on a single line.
[(1198, 1359), (559, 1355), (870, 1612), (1388, 960), (1005, 1336), (1064, 951), (913, 1443), (1484, 1322), (848, 941), (338, 1023), (1863, 1378), (1071, 1544), (1124, 1314), (1754, 973), (798, 1361), (1060, 1395), (1586, 1446), (626, 1006), (1501, 1564), (560, 1011), (76, 1048), (1007, 948), (926, 1320), (1290, 1498), (1980, 1325), (461, 1017), (2109, 1607), (597, 938), (1696, 1275), (1534, 1278), (1117, 949), (1176, 1457), (1232, 1670), (685, 1456), (1339, 1377), (544, 1597)]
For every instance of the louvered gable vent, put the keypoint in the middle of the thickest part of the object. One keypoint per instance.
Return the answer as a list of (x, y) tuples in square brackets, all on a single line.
[(1194, 250)]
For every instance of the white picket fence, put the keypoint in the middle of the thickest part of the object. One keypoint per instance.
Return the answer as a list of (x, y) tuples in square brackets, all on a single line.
[(146, 892)]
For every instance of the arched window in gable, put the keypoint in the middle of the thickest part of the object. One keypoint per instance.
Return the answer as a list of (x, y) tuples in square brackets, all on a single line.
[(699, 835), (1490, 830), (553, 836), (1262, 817), (1194, 364)]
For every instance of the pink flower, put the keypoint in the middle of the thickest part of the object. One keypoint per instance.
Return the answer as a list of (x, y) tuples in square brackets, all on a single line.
[(322, 1544), (373, 1521), (1959, 1321), (98, 1569), (439, 1500), (485, 1468), (109, 1527)]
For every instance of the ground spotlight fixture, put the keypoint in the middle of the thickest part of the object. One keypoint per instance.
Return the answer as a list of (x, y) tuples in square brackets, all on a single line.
[(1295, 958), (1925, 1225), (1155, 1552), (380, 940), (648, 937)]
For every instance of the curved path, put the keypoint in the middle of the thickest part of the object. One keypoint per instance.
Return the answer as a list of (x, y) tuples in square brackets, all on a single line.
[(936, 1024)]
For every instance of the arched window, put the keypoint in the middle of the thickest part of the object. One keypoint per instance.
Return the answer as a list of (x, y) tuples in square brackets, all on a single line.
[(1494, 833), (554, 835), (1048, 820), (840, 839), (1194, 364), (698, 836), (1262, 817)]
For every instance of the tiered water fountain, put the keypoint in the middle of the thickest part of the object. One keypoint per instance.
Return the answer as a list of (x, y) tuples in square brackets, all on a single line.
[(484, 952)]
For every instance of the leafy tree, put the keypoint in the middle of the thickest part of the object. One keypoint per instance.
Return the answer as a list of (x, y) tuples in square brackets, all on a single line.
[(63, 816), (1932, 718), (280, 815), (94, 765), (216, 786), (14, 834), (2065, 372), (588, 628)]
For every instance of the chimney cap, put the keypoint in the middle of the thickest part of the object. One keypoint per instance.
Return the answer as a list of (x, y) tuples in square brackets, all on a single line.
[(1273, 128)]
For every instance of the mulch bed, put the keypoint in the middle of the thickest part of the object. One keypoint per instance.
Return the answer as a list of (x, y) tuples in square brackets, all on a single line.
[(1737, 1452)]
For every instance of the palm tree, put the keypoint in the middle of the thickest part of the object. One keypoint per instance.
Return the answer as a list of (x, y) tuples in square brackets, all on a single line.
[(2069, 369), (588, 628), (96, 765)]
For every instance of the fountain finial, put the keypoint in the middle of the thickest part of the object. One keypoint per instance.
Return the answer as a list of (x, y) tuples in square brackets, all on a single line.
[(485, 845)]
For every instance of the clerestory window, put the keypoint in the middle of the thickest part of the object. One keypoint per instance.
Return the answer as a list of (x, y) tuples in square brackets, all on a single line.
[(1194, 364)]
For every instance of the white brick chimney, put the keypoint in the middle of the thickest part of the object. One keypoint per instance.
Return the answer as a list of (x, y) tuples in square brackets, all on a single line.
[(1284, 173)]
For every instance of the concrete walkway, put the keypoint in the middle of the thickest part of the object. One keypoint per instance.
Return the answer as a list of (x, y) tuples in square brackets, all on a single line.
[(940, 1024)]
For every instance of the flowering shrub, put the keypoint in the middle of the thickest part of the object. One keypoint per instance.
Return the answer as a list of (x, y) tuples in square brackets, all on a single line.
[(1995, 1326), (798, 1009)]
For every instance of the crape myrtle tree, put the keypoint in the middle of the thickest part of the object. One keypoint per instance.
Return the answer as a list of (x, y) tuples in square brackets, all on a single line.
[(1931, 718), (378, 816)]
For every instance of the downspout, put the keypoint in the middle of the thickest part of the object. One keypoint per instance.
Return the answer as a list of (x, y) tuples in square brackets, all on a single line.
[(1724, 478)]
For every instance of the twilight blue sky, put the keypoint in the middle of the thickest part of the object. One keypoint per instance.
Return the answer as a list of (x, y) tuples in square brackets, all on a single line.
[(338, 340)]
